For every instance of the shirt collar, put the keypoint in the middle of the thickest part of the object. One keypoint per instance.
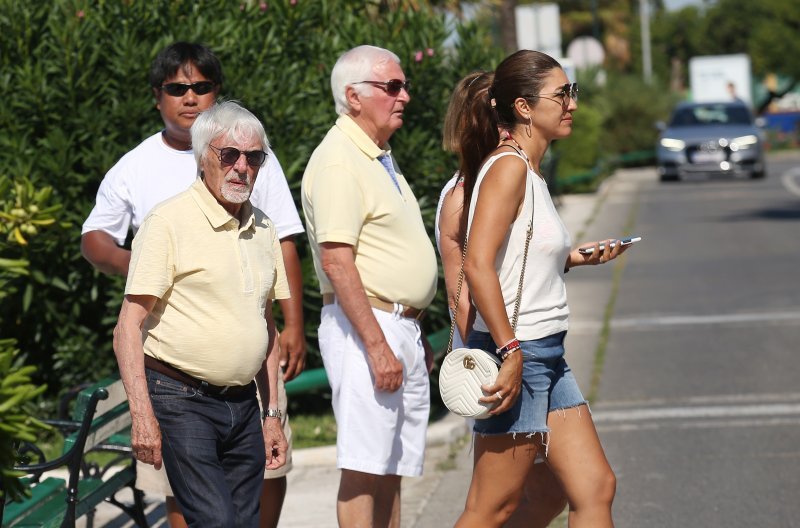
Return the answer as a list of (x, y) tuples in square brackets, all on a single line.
[(213, 210), (346, 124)]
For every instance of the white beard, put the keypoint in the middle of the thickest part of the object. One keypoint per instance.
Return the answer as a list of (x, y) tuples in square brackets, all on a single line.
[(234, 194)]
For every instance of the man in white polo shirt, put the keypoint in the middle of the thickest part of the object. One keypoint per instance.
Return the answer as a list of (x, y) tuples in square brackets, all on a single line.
[(186, 78), (377, 272), (196, 327)]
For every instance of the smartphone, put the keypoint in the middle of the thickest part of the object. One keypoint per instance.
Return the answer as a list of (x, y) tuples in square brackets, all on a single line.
[(624, 242)]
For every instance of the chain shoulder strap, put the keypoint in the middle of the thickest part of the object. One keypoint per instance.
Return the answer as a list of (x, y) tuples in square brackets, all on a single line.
[(515, 318)]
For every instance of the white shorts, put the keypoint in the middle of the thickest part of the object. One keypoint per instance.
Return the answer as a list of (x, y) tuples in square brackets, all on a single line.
[(381, 433), (151, 480)]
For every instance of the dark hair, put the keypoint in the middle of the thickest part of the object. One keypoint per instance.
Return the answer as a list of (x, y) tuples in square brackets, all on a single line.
[(472, 89), (521, 74), (178, 55)]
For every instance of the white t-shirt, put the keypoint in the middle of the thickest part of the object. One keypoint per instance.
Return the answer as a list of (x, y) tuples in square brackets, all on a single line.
[(543, 307), (153, 172)]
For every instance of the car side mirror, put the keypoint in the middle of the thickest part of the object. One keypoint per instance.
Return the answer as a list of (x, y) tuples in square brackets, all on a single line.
[(661, 126), (760, 122)]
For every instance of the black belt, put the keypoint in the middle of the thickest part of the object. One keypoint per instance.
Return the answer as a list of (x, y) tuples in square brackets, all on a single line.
[(203, 386)]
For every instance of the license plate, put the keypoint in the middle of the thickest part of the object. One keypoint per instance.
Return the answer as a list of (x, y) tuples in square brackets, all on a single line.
[(708, 157)]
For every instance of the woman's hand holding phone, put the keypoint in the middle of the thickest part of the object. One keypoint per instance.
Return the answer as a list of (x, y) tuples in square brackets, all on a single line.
[(601, 251)]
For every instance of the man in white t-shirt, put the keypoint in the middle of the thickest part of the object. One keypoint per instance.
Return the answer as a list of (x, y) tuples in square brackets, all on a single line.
[(186, 79)]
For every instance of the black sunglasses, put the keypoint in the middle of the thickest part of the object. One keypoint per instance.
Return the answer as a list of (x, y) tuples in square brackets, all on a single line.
[(179, 89), (391, 87), (230, 155)]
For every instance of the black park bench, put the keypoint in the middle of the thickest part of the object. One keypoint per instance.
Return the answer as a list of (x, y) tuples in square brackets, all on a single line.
[(100, 423)]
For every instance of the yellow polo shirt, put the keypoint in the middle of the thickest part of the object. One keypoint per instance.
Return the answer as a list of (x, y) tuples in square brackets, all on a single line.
[(348, 197), (213, 279)]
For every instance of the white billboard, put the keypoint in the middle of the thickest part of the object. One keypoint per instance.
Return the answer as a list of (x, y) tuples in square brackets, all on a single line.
[(720, 78), (539, 28)]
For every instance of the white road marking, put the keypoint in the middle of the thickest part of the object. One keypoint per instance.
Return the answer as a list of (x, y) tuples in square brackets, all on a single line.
[(716, 411), (747, 423), (791, 180), (698, 417), (693, 320)]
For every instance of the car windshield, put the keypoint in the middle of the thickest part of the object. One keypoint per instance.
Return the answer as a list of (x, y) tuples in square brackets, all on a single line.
[(711, 115)]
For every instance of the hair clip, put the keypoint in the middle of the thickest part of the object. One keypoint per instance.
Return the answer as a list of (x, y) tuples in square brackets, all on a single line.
[(493, 102), (475, 79)]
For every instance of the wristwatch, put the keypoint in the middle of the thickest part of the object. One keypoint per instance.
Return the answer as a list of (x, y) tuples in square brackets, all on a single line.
[(271, 413)]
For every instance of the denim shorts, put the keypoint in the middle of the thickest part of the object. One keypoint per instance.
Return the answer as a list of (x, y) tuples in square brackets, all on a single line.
[(548, 385)]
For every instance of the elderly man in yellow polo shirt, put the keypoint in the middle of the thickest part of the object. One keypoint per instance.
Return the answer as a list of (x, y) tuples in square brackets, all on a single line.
[(196, 327), (377, 272)]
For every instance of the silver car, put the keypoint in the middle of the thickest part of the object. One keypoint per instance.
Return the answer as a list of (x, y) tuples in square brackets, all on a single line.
[(710, 139)]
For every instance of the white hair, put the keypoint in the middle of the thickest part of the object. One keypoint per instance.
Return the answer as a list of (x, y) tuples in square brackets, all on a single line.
[(356, 65), (227, 119)]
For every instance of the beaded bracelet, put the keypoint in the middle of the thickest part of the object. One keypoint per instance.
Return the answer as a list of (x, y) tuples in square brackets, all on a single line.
[(506, 349), (508, 353)]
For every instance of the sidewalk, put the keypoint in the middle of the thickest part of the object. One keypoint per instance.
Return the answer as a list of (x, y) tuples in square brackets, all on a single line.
[(436, 498)]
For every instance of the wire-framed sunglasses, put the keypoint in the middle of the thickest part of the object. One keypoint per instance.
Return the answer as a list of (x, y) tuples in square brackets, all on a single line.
[(180, 89), (567, 92), (391, 87), (230, 155)]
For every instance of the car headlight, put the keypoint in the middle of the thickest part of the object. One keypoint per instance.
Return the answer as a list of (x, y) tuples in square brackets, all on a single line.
[(743, 142), (675, 145)]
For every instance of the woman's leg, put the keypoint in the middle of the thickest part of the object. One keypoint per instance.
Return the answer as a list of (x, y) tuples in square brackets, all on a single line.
[(542, 500), (502, 463), (577, 459)]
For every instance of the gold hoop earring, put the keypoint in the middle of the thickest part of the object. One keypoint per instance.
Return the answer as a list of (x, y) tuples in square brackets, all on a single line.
[(529, 126)]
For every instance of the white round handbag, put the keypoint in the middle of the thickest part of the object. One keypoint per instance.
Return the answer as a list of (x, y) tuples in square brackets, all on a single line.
[(463, 372)]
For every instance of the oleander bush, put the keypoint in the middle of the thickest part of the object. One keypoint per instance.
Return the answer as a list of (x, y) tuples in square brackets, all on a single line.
[(73, 76)]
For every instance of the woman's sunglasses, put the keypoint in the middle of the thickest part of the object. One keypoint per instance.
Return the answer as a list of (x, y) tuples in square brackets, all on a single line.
[(230, 155), (567, 92)]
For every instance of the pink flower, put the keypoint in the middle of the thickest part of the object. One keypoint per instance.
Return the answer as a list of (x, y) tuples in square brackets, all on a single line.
[(80, 14), (263, 6), (418, 56), (429, 51), (293, 2)]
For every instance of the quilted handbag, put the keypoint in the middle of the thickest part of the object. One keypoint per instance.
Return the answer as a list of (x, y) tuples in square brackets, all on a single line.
[(464, 370)]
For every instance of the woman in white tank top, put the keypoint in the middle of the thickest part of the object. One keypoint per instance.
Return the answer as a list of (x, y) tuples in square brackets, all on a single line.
[(539, 407), (543, 498)]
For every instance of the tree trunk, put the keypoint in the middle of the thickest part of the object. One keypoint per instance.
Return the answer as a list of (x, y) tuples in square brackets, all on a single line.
[(508, 25)]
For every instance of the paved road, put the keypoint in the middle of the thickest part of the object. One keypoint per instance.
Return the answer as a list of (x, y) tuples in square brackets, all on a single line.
[(699, 403)]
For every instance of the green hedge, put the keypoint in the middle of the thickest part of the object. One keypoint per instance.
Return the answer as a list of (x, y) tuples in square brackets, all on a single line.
[(73, 75)]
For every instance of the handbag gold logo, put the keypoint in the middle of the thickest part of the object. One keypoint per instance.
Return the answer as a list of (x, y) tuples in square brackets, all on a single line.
[(469, 363)]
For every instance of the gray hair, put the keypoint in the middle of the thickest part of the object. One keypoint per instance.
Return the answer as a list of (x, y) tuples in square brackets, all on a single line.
[(227, 119), (356, 65)]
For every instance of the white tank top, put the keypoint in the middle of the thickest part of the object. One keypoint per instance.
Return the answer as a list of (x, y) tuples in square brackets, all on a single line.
[(543, 307), (457, 341)]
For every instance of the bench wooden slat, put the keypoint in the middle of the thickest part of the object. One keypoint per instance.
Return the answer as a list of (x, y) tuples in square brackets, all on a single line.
[(48, 490)]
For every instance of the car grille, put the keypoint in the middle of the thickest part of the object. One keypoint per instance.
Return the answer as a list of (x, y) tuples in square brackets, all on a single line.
[(708, 152)]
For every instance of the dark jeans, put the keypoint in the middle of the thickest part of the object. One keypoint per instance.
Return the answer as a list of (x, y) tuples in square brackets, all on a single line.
[(213, 451)]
